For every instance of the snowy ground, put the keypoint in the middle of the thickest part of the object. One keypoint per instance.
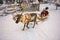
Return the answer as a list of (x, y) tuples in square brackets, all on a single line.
[(45, 30)]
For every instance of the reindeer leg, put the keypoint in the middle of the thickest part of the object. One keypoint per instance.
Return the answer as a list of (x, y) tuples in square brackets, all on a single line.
[(27, 25), (33, 25), (24, 27), (35, 21)]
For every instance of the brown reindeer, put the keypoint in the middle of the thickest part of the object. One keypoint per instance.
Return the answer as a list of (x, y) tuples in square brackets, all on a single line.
[(26, 18)]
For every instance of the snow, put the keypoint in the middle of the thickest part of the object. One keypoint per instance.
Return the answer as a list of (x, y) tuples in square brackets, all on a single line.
[(45, 30)]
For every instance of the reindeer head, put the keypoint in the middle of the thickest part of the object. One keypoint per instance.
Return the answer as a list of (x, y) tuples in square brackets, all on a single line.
[(17, 18)]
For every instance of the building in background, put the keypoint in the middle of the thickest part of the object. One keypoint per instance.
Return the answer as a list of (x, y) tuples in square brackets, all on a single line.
[(31, 1), (28, 1), (54, 1), (8, 1)]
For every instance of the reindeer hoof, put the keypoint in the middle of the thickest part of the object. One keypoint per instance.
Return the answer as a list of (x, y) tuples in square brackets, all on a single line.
[(32, 27), (36, 23), (22, 29), (28, 27)]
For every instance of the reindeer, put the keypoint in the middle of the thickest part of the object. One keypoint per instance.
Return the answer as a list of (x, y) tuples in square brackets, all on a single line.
[(26, 18)]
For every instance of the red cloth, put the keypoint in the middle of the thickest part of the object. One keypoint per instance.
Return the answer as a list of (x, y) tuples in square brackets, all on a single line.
[(44, 12)]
